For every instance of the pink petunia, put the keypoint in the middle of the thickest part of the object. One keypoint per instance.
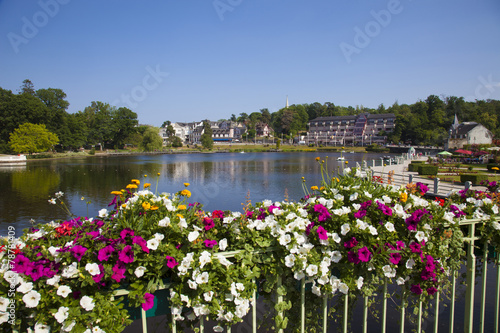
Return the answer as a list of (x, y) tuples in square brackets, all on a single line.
[(171, 262), (149, 301), (126, 255), (210, 243), (322, 233), (364, 254)]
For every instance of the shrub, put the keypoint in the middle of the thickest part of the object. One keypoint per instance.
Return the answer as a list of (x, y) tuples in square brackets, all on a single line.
[(426, 169), (414, 164), (474, 179)]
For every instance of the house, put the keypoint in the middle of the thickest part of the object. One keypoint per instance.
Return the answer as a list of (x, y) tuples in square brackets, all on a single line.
[(467, 133), (362, 129)]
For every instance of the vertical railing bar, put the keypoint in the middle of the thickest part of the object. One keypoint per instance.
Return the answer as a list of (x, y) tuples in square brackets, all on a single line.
[(471, 277), (325, 313), (497, 297), (483, 291), (346, 310), (302, 304), (229, 329), (174, 324), (384, 307), (436, 320), (365, 316), (419, 329), (254, 308), (280, 298), (144, 321), (403, 310), (452, 300), (202, 324)]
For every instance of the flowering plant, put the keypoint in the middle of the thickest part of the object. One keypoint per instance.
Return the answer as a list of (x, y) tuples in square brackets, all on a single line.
[(346, 237)]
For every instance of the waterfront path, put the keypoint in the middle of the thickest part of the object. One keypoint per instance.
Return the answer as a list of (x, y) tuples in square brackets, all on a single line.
[(401, 176)]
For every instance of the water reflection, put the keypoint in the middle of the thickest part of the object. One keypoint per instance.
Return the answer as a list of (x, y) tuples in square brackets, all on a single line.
[(218, 181)]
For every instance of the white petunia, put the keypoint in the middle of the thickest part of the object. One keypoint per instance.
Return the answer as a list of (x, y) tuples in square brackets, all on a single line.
[(410, 263), (139, 271), (159, 237), (389, 271), (164, 222), (343, 288), (183, 224), (193, 235), (62, 314), (31, 299), (336, 238), (316, 290), (208, 296), (202, 278), (353, 196), (192, 284), (359, 282), (93, 269), (223, 244), (223, 260), (400, 281), (53, 280), (87, 303), (420, 236), (373, 230), (344, 229), (152, 244), (312, 270), (336, 256), (67, 327), (63, 291), (289, 260), (41, 328), (4, 302), (11, 277), (218, 328), (285, 239), (205, 258), (25, 287), (103, 213), (390, 227), (70, 271)]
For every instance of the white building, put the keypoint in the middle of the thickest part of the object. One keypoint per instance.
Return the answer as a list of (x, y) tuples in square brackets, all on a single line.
[(468, 133)]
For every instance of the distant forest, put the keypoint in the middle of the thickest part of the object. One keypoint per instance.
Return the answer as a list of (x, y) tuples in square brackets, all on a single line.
[(425, 122)]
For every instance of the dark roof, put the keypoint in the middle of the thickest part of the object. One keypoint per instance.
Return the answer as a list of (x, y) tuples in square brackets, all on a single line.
[(367, 115), (465, 128)]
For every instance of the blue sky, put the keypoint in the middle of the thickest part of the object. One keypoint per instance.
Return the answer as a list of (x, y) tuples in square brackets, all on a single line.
[(195, 59)]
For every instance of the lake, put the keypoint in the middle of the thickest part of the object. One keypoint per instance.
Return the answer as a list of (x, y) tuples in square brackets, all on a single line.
[(218, 181)]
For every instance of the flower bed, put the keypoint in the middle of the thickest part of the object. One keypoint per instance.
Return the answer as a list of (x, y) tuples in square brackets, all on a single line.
[(345, 237)]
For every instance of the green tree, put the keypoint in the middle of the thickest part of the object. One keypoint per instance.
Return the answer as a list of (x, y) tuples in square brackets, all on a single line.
[(175, 141), (206, 138), (124, 124), (32, 138), (28, 88), (151, 140)]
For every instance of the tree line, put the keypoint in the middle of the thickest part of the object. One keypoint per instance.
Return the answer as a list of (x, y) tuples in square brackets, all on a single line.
[(425, 122), (99, 125)]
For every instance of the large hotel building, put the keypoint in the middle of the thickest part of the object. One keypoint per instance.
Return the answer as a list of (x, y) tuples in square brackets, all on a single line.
[(362, 129)]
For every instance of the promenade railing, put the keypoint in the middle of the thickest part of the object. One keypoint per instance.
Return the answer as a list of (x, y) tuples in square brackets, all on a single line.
[(474, 318)]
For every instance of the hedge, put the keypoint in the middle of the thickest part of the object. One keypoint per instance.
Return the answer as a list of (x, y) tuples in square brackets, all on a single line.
[(474, 179), (427, 169), (414, 164)]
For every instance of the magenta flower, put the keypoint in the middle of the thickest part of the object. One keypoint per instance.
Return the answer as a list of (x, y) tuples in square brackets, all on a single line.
[(218, 214), (366, 204), (127, 254), (426, 274), (351, 243), (149, 301), (324, 214), (271, 208), (209, 223), (118, 271), (353, 257), (309, 227), (78, 252), (360, 213), (415, 247), (400, 245), (385, 209), (431, 290), (105, 253), (126, 232), (395, 258), (210, 243), (141, 242), (20, 264), (322, 233), (93, 234), (364, 254), (249, 214), (422, 188), (171, 262), (35, 271), (416, 289), (97, 278)]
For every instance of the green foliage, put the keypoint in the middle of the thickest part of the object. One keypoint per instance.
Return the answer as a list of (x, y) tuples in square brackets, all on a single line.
[(206, 138), (175, 141), (413, 166), (278, 143), (426, 169), (151, 140), (475, 179), (32, 138)]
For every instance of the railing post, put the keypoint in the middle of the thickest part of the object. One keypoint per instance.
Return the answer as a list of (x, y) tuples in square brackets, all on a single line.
[(468, 185), (471, 277), (436, 185), (410, 179)]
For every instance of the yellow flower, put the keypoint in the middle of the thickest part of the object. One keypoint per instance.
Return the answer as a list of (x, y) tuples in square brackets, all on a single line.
[(403, 197), (495, 168), (135, 181), (117, 192), (317, 158), (180, 216), (131, 186), (181, 207), (314, 188), (186, 193), (146, 205), (186, 184), (346, 162), (145, 175), (154, 207), (158, 174), (322, 188), (124, 205), (146, 185)]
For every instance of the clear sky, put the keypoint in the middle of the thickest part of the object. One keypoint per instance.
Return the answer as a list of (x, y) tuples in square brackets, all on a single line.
[(187, 60)]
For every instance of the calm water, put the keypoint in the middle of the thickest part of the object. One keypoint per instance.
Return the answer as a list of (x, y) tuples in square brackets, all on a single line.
[(218, 181)]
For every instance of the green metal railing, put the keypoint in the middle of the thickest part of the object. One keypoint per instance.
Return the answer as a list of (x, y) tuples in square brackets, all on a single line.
[(470, 296)]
